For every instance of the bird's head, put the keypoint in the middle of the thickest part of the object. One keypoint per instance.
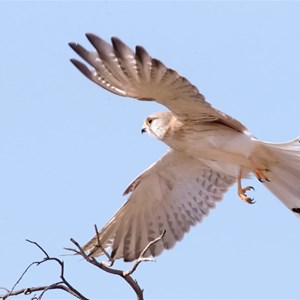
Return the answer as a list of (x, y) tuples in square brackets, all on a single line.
[(157, 124)]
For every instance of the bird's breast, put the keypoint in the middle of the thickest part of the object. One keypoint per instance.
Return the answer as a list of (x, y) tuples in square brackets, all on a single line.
[(213, 142)]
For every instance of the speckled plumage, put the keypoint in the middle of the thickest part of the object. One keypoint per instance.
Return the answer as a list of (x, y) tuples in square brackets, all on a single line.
[(209, 152)]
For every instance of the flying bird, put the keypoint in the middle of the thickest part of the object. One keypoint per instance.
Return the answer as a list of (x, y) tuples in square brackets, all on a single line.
[(208, 152)]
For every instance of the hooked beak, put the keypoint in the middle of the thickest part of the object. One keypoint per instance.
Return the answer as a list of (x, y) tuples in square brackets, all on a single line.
[(143, 130)]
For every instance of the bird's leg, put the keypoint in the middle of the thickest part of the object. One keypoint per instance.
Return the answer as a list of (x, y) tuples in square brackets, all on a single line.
[(261, 174), (242, 191)]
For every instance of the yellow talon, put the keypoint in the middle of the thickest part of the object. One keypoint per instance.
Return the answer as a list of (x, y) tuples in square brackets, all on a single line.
[(242, 192), (243, 196)]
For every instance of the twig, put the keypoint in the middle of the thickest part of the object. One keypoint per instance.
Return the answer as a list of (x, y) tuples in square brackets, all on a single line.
[(63, 284), (28, 291), (66, 286), (111, 260), (141, 257), (133, 283), (35, 243), (21, 277), (126, 275)]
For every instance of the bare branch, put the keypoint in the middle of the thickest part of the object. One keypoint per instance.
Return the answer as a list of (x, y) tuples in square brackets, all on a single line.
[(28, 291), (111, 260), (94, 262), (133, 283), (141, 257), (66, 286), (21, 277), (63, 284), (126, 275), (35, 243)]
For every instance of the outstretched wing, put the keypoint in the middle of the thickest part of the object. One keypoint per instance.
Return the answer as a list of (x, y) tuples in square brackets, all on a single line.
[(173, 194), (135, 74)]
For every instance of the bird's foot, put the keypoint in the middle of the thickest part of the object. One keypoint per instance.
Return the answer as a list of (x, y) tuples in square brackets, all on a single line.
[(243, 196), (261, 174)]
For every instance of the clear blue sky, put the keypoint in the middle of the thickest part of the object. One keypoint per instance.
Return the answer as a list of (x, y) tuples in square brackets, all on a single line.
[(69, 149)]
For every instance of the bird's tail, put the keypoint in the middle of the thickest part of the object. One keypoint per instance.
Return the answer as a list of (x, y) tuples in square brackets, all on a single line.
[(283, 170)]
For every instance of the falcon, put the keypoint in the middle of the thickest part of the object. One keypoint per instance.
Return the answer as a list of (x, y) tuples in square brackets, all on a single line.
[(208, 152)]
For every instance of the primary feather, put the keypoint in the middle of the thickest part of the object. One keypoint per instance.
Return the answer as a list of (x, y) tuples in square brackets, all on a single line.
[(209, 152), (173, 194)]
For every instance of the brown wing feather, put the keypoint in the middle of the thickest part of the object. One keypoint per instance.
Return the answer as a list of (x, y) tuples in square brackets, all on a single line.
[(124, 72), (173, 194)]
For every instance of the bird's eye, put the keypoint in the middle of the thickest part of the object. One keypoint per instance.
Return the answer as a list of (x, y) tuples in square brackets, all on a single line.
[(149, 121)]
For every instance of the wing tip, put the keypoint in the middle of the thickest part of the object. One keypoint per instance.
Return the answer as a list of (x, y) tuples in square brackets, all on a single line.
[(81, 67), (90, 35), (76, 47), (72, 45)]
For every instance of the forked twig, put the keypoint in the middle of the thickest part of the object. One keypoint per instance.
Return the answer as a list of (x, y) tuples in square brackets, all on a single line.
[(64, 285), (111, 260), (141, 257), (126, 275)]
